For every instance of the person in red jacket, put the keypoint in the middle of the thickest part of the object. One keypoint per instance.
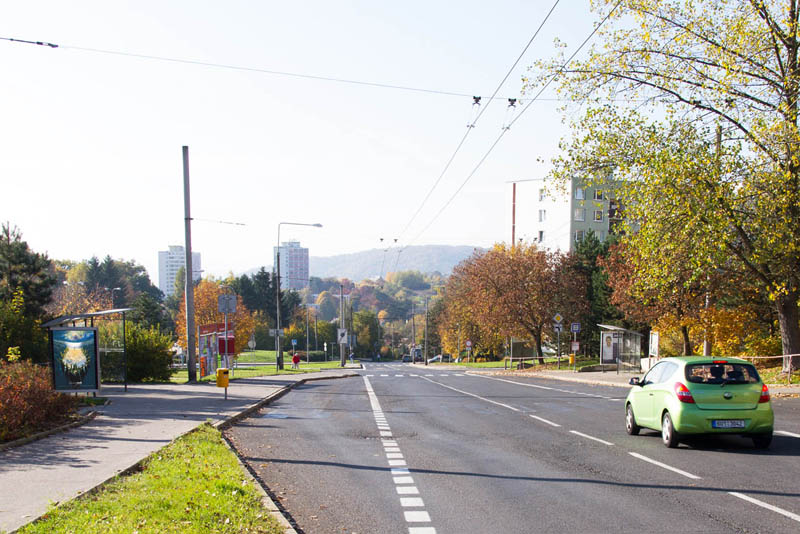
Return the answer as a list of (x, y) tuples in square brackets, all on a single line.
[(295, 361)]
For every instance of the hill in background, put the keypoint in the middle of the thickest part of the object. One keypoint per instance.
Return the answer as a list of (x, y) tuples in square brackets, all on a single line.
[(368, 264)]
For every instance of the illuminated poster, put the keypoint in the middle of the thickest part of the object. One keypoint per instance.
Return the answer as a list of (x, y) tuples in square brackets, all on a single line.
[(75, 359)]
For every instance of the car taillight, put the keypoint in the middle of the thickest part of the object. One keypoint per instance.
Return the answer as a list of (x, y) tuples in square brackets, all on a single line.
[(683, 393), (720, 361), (764, 394)]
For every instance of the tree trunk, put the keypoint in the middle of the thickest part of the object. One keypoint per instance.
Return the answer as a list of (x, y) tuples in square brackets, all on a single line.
[(687, 343), (537, 338), (790, 330)]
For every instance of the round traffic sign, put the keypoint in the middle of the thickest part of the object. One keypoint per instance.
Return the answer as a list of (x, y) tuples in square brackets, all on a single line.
[(469, 343)]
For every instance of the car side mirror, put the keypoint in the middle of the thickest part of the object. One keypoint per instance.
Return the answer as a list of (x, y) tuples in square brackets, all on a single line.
[(635, 381)]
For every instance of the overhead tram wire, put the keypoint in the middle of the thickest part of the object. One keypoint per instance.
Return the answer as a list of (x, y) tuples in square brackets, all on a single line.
[(506, 129), (473, 123), (243, 68)]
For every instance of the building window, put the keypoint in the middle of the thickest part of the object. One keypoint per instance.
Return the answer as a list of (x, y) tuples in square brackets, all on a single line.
[(598, 215), (542, 215), (541, 236), (598, 194), (579, 235), (580, 214), (541, 195), (579, 193)]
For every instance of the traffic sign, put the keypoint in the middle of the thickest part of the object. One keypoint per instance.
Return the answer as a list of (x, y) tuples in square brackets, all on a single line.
[(341, 335), (575, 327), (557, 318), (282, 332), (294, 342), (226, 303), (558, 327), (576, 346), (469, 343), (325, 346)]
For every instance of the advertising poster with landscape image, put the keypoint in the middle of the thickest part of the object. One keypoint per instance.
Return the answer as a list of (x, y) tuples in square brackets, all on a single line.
[(75, 363)]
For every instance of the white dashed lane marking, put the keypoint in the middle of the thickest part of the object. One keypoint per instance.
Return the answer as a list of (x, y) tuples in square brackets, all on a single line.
[(401, 476), (587, 436), (665, 466), (762, 504), (543, 420)]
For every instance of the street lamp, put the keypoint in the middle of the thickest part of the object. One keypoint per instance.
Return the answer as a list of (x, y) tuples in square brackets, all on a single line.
[(112, 293), (279, 347)]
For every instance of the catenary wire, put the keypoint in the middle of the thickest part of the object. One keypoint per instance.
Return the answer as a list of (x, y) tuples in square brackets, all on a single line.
[(472, 125), (503, 131)]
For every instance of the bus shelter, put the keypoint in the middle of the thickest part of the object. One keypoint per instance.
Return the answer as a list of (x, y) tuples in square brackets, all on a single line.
[(88, 348), (622, 347)]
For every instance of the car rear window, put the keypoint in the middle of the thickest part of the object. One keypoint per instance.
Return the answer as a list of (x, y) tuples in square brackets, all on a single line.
[(718, 373)]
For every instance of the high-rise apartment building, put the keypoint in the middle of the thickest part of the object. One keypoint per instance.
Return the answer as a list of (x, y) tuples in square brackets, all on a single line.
[(169, 262), (294, 265), (556, 218)]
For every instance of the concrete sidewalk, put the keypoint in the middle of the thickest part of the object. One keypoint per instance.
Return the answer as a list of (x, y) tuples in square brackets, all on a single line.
[(133, 425)]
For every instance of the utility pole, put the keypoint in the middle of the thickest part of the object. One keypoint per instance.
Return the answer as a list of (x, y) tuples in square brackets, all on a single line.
[(278, 342), (189, 288), (413, 334), (307, 356), (425, 354), (341, 322)]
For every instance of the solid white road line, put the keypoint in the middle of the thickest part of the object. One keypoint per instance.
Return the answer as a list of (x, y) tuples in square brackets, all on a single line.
[(665, 466), (543, 420), (762, 504), (473, 395), (785, 433), (587, 436), (417, 516)]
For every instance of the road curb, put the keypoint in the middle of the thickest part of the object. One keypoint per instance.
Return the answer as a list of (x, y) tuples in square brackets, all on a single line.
[(269, 505), (39, 435)]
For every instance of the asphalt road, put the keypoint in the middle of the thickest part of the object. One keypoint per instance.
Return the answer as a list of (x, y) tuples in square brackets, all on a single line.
[(413, 449)]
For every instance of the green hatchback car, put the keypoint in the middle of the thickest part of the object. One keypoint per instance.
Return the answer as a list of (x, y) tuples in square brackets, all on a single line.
[(695, 395)]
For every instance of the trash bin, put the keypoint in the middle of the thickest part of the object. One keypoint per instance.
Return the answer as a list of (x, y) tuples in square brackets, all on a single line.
[(222, 377), (572, 359)]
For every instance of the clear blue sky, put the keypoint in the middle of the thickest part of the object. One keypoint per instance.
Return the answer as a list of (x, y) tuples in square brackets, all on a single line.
[(90, 148)]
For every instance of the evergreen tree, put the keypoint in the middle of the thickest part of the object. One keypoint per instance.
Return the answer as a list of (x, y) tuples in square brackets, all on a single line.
[(25, 270)]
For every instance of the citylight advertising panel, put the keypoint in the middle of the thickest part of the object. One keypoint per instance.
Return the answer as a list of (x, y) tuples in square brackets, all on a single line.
[(76, 366)]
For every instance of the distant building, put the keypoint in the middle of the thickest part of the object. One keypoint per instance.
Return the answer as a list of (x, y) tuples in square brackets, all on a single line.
[(169, 262), (558, 219), (294, 265)]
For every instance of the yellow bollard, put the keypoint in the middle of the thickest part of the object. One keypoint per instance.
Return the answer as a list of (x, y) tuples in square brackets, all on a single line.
[(572, 359)]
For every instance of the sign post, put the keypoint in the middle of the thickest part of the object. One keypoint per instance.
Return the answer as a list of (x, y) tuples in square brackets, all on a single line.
[(558, 327), (469, 350)]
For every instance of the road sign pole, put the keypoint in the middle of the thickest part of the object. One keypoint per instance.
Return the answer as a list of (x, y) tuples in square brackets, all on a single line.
[(558, 349)]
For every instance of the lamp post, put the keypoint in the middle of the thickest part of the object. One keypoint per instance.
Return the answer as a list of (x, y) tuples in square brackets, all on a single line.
[(278, 345), (111, 289)]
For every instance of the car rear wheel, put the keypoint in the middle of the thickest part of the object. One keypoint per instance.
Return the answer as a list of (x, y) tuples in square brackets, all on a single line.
[(668, 434), (630, 422), (762, 441)]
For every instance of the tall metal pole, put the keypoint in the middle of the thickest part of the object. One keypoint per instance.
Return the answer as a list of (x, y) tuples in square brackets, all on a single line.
[(307, 357), (341, 322), (425, 354), (316, 340), (278, 343), (189, 291), (413, 334)]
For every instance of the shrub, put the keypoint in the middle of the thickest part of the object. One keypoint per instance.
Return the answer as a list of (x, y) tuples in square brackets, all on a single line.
[(149, 354), (28, 402)]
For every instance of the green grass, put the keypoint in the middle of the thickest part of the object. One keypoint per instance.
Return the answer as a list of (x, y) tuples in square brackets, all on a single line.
[(180, 376), (773, 375), (193, 485)]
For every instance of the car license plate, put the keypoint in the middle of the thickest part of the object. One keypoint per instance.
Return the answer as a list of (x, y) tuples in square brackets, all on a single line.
[(727, 423)]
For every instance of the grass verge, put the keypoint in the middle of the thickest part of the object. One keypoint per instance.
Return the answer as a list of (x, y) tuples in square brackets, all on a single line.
[(180, 376), (193, 485)]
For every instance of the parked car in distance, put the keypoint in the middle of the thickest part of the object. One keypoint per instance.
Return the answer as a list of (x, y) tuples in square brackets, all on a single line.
[(406, 358), (696, 395)]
